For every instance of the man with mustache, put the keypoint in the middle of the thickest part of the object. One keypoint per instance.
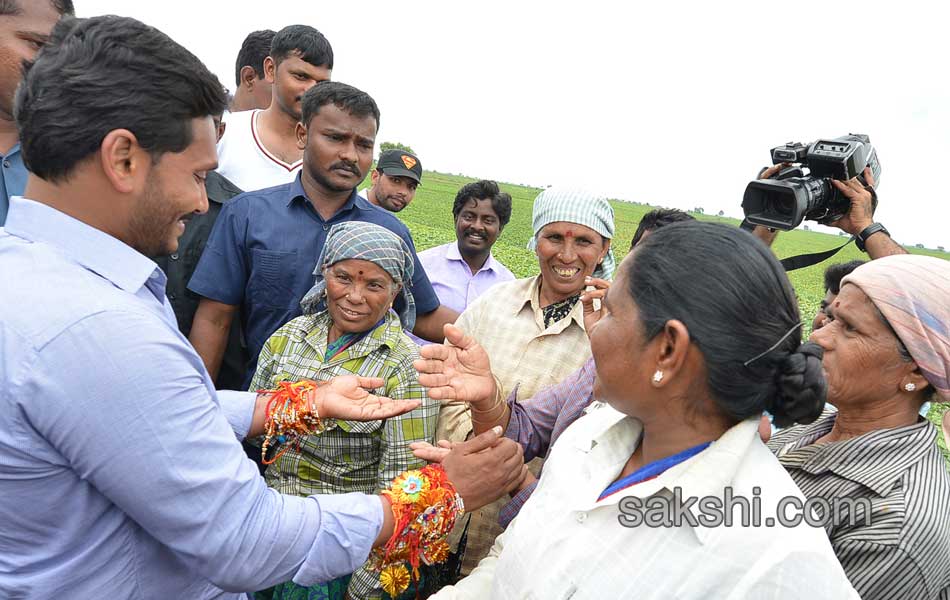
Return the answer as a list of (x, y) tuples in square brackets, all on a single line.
[(261, 254), (462, 270), (259, 148), (395, 179)]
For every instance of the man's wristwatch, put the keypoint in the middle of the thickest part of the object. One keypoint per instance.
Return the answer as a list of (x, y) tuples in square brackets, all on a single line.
[(862, 238)]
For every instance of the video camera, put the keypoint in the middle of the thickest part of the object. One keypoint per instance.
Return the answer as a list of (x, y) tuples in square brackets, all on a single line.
[(793, 196)]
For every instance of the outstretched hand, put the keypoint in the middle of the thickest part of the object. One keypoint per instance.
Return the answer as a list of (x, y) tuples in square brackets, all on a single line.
[(461, 371), (346, 398)]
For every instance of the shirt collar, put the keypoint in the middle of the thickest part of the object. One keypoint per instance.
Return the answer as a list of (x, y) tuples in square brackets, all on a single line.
[(876, 460), (296, 192), (708, 473), (387, 334), (92, 248), (453, 254), (13, 151), (532, 296)]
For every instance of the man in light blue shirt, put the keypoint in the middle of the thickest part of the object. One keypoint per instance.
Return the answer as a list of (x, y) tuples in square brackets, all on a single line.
[(24, 27), (120, 470)]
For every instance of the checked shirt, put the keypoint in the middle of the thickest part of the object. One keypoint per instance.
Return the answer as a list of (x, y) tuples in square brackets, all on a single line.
[(353, 456)]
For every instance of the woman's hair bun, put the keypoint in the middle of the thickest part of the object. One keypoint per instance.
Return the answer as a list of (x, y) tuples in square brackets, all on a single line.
[(801, 387)]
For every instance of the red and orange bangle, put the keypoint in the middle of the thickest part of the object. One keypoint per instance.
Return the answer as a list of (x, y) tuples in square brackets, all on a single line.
[(425, 508), (289, 417)]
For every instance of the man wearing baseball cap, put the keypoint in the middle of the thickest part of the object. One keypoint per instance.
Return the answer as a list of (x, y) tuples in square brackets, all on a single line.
[(395, 179)]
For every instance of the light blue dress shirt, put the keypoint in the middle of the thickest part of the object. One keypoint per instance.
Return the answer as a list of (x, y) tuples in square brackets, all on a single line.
[(120, 472), (13, 176)]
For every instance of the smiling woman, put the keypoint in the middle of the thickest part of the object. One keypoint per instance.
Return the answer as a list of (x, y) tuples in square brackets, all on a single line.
[(533, 328), (348, 328)]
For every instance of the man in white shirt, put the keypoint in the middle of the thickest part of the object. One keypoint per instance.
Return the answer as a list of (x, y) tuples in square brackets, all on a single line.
[(260, 147)]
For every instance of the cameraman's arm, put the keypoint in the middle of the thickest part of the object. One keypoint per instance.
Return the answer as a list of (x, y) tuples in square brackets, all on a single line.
[(766, 234), (861, 216)]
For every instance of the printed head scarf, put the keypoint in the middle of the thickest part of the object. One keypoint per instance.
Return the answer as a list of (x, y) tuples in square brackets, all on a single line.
[(913, 294), (575, 206), (365, 241)]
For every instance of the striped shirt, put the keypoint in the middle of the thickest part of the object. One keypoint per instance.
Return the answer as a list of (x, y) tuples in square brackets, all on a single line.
[(902, 548), (354, 456)]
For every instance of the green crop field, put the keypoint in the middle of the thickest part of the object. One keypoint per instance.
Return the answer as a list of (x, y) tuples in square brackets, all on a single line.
[(429, 218)]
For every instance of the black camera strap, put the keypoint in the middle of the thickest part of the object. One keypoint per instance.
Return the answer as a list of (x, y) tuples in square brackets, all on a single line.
[(806, 260), (801, 261)]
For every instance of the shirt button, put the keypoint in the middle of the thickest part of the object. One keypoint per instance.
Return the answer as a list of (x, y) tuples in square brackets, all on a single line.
[(581, 517), (6, 164), (171, 296), (174, 256)]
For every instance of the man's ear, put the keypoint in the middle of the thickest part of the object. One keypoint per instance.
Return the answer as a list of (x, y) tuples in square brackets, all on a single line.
[(123, 161), (270, 70), (249, 76), (301, 133)]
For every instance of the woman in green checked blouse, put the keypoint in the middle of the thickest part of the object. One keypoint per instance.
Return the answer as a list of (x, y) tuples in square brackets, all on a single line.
[(348, 328)]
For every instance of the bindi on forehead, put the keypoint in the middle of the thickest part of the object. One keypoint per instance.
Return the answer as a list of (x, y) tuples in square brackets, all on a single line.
[(569, 233)]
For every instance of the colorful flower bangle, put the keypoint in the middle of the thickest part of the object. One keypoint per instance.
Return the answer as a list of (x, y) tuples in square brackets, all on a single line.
[(289, 417), (425, 508)]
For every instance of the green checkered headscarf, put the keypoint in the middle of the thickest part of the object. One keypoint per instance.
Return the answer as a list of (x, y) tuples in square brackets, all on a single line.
[(575, 206), (365, 241)]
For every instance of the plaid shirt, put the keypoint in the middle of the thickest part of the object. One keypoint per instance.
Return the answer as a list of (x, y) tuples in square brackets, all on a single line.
[(352, 457)]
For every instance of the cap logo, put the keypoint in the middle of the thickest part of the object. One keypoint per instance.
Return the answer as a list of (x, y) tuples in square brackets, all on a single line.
[(409, 161)]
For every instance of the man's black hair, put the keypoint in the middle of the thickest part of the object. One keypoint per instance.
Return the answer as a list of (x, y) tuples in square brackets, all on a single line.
[(659, 217), (12, 7), (105, 73), (302, 41), (254, 50), (345, 97), (481, 190), (835, 273)]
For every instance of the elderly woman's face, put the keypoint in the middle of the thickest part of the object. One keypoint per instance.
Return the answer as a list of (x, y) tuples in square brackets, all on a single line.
[(861, 361), (359, 293), (567, 253)]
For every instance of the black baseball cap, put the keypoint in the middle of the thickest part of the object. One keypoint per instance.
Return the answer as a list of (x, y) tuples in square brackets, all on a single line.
[(398, 163)]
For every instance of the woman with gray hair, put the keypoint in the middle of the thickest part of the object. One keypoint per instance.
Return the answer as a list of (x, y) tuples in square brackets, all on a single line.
[(348, 327), (533, 328), (886, 353)]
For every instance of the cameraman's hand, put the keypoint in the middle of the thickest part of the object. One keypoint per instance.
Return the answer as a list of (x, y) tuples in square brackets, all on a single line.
[(861, 213), (772, 171)]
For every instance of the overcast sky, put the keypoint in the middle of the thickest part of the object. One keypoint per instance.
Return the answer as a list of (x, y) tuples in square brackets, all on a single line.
[(669, 103)]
